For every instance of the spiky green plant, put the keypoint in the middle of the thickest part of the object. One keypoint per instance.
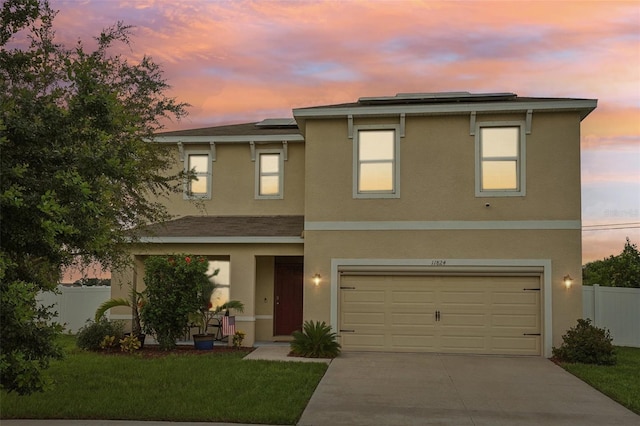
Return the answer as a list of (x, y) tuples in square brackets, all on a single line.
[(136, 301), (316, 340), (108, 304)]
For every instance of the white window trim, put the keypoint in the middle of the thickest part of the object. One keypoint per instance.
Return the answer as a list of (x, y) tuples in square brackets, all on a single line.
[(521, 161), (209, 174), (280, 195), (396, 163)]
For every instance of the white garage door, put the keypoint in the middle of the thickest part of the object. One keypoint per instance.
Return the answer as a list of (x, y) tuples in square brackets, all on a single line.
[(452, 314)]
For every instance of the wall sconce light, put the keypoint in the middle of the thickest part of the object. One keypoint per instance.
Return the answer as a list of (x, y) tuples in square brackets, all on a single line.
[(568, 281), (316, 279)]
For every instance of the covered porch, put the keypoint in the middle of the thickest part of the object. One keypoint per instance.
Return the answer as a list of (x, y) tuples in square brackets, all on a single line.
[(259, 259)]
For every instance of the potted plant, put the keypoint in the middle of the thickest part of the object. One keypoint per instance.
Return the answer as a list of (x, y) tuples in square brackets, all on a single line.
[(135, 301), (207, 313)]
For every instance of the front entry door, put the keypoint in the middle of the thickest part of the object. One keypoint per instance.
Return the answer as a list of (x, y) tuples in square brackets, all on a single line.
[(288, 282)]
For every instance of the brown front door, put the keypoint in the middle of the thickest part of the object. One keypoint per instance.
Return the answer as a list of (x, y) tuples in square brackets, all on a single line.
[(288, 296)]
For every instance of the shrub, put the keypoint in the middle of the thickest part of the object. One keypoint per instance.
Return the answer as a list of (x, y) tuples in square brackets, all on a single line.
[(130, 343), (315, 341), (173, 287), (587, 344), (238, 338), (27, 336), (108, 343), (92, 336)]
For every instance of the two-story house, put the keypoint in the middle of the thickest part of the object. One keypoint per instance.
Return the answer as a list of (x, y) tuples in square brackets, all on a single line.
[(439, 222)]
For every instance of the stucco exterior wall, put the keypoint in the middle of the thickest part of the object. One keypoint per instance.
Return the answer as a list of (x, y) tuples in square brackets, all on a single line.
[(233, 183), (437, 184), (264, 297), (437, 172), (561, 247)]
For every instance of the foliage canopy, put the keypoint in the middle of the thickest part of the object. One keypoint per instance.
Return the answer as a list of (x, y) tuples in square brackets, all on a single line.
[(622, 270), (174, 285), (76, 170)]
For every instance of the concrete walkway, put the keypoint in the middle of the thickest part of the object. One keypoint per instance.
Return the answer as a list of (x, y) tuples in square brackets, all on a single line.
[(430, 389), (280, 353)]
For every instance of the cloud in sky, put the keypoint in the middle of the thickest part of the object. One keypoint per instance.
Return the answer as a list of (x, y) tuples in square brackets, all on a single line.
[(237, 61)]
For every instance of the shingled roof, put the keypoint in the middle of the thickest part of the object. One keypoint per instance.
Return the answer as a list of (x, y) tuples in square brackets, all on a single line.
[(227, 226), (242, 129), (442, 103)]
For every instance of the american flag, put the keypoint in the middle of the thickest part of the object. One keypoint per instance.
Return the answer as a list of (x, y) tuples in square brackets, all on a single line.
[(228, 325)]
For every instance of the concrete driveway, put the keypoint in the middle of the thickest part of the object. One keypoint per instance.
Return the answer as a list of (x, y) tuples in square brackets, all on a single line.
[(431, 389)]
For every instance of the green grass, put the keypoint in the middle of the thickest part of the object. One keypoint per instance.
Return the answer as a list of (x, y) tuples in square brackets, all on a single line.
[(204, 388), (621, 382)]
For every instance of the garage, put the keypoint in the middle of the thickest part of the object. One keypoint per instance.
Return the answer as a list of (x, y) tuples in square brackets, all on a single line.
[(480, 314)]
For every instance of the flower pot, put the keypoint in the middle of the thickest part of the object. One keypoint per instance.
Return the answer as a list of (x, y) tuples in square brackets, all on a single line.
[(203, 341)]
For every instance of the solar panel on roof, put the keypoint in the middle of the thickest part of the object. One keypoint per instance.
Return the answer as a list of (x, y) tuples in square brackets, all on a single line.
[(437, 97)]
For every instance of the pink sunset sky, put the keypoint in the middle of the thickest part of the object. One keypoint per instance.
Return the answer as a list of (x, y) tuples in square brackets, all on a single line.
[(242, 61)]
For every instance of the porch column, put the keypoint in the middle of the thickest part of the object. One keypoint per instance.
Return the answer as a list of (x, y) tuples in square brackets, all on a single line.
[(243, 288)]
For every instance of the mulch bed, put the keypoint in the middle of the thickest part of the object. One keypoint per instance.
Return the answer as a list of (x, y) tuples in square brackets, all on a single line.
[(154, 351)]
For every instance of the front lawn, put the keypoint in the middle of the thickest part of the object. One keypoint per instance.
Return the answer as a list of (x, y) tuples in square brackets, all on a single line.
[(620, 382), (216, 387)]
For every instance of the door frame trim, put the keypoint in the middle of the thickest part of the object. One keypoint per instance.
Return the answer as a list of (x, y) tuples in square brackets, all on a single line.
[(540, 267)]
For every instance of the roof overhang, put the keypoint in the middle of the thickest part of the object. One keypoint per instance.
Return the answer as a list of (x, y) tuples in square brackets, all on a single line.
[(221, 240), (583, 106), (230, 139)]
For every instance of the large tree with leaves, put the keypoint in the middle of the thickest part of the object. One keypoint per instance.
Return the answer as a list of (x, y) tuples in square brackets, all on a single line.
[(77, 171), (622, 270)]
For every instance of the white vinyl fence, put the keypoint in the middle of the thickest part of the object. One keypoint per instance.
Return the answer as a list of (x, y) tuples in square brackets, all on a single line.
[(75, 305), (614, 308)]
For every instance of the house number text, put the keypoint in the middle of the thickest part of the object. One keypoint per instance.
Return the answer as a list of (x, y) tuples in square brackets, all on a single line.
[(439, 262)]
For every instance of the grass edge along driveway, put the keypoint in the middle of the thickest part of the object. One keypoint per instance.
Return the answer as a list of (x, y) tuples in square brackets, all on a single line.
[(223, 387), (199, 388), (620, 382)]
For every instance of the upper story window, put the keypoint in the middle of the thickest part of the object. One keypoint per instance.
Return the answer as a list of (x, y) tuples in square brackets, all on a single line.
[(500, 165), (200, 164), (376, 156), (269, 174)]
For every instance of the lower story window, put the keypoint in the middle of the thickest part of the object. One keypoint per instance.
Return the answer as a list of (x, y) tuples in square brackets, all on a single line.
[(221, 279)]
